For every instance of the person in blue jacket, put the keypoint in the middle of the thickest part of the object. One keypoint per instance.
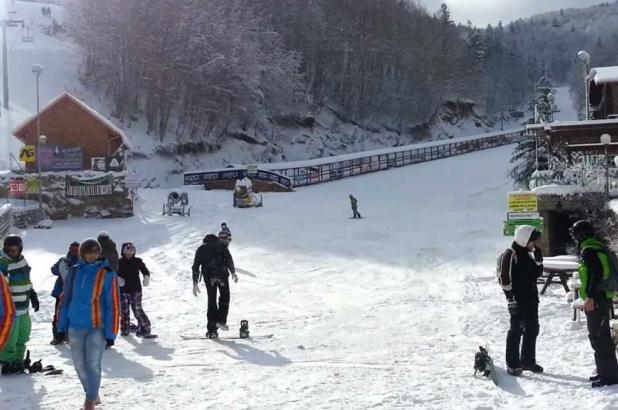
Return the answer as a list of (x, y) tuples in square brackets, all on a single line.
[(90, 312), (60, 269)]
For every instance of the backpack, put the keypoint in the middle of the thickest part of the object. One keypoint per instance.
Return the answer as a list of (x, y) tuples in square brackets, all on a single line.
[(499, 263), (611, 283)]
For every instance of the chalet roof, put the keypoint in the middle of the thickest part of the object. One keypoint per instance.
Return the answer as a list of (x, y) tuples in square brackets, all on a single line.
[(604, 75), (107, 123)]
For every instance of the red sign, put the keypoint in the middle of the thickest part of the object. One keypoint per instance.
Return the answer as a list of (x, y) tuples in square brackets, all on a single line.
[(18, 188)]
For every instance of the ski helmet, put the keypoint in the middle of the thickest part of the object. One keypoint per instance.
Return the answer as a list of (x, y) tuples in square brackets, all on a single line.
[(581, 230), (89, 246), (13, 241), (103, 235)]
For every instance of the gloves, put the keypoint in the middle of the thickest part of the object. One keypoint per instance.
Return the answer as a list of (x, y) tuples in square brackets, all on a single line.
[(146, 281), (196, 289), (538, 255), (513, 308), (120, 281), (109, 343), (235, 277), (34, 300)]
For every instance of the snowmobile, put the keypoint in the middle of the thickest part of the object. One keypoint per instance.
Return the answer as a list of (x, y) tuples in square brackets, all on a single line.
[(177, 204)]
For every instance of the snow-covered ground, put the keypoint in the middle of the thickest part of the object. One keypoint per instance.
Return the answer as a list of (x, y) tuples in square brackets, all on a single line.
[(384, 312)]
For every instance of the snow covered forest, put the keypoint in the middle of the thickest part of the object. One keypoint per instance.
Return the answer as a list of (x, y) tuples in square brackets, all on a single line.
[(195, 68)]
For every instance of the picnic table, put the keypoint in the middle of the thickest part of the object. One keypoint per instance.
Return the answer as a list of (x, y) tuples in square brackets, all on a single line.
[(561, 267)]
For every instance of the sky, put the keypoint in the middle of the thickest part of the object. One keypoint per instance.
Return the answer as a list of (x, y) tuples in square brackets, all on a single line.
[(483, 12)]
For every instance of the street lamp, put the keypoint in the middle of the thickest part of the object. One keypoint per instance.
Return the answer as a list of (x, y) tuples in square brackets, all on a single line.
[(584, 57), (37, 70), (606, 139)]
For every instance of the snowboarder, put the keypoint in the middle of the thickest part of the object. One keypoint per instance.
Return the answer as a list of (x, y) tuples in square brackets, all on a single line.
[(14, 266), (60, 269), (520, 267), (90, 311), (213, 261), (225, 236), (109, 250), (7, 312), (354, 204), (129, 268), (594, 268)]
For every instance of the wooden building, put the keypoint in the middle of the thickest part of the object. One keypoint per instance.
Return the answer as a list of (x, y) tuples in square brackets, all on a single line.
[(69, 122)]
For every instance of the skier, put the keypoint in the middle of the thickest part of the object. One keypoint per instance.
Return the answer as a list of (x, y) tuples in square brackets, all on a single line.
[(129, 268), (90, 311), (354, 204), (520, 267), (215, 261), (14, 266), (225, 236), (7, 312), (109, 250), (60, 269), (594, 268)]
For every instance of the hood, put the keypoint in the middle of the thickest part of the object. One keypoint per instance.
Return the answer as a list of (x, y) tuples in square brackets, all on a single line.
[(124, 246), (101, 263), (523, 234)]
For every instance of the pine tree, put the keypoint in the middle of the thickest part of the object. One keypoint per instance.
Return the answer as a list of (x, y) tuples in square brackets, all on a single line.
[(525, 157)]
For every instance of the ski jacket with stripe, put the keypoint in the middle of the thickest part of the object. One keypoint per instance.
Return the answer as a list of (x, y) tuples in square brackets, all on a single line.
[(17, 271), (519, 273), (225, 236), (7, 311), (91, 299), (594, 267)]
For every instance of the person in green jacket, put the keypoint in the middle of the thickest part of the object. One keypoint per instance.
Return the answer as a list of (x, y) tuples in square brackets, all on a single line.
[(14, 266), (594, 269)]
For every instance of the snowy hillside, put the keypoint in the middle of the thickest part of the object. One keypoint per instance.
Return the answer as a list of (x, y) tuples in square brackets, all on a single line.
[(384, 312)]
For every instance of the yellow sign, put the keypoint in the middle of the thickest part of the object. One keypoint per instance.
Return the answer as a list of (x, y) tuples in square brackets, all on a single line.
[(522, 202), (32, 186), (26, 154)]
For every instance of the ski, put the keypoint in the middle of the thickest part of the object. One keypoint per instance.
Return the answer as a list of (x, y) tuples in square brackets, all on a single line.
[(196, 337)]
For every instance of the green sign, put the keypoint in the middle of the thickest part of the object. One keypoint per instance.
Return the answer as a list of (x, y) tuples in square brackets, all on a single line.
[(511, 225)]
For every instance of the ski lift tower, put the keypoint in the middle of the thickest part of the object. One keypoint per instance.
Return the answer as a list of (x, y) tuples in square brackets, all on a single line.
[(10, 22)]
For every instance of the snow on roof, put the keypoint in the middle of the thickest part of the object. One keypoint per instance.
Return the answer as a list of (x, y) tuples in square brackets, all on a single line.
[(557, 124), (604, 75), (82, 105)]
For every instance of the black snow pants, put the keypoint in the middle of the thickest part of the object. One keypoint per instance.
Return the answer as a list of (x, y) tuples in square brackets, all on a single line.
[(217, 313), (524, 330), (601, 340)]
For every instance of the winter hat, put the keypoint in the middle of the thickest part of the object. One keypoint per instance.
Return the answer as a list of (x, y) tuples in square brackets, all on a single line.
[(210, 238), (74, 243), (128, 249), (89, 246), (103, 235), (223, 225), (524, 234)]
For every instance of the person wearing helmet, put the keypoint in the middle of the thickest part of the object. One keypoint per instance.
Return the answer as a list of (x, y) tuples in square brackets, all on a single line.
[(15, 268), (354, 205), (593, 269), (60, 269), (225, 236), (214, 263), (90, 312), (109, 250), (521, 266)]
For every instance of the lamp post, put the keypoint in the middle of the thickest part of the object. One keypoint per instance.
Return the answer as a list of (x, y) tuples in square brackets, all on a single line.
[(606, 139), (37, 70), (584, 57)]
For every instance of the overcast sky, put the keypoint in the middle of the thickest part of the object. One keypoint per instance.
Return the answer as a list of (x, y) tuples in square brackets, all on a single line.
[(483, 12)]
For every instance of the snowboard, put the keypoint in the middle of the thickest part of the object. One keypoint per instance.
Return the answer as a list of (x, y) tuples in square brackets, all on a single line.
[(484, 364), (148, 336), (362, 217), (203, 337)]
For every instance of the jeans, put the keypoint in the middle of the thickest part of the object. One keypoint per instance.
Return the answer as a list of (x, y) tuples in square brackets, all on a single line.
[(217, 314), (87, 347)]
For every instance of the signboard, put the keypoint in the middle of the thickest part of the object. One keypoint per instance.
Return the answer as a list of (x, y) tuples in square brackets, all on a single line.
[(89, 187), (511, 216), (519, 202), (107, 164), (61, 158), (32, 185), (200, 178), (27, 155), (510, 226), (252, 170), (17, 188), (131, 182)]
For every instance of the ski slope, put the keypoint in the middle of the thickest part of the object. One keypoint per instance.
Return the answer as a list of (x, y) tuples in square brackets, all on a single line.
[(385, 312)]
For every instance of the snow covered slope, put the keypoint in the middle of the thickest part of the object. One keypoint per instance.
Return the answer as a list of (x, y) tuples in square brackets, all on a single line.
[(384, 312)]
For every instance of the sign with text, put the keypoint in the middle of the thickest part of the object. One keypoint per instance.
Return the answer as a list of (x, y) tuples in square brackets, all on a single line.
[(519, 202), (27, 154), (18, 188), (89, 187), (61, 158), (513, 216)]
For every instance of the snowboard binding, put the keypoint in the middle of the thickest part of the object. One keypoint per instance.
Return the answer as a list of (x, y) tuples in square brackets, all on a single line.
[(244, 329), (482, 362)]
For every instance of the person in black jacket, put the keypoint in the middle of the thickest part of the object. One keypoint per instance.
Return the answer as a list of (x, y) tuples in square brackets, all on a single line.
[(214, 262), (520, 267), (129, 268), (108, 250)]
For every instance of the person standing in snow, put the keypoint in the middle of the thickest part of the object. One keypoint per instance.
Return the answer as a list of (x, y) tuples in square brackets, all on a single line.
[(14, 266), (225, 236), (594, 269), (60, 269), (520, 267), (90, 312), (214, 263), (109, 250), (354, 204), (129, 268)]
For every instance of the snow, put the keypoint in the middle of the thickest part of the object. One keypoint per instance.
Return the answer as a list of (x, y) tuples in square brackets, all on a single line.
[(385, 312), (604, 75)]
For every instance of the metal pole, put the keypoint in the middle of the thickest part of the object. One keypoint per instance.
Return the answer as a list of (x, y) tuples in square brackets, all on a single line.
[(5, 67), (606, 175), (536, 149), (586, 71), (38, 147)]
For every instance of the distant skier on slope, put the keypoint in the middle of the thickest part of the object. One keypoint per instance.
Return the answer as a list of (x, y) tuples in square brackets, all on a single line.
[(519, 268), (225, 236), (129, 268), (214, 262), (354, 205)]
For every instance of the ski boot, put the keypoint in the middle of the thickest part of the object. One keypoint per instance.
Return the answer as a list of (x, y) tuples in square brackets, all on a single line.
[(244, 329), (212, 335)]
